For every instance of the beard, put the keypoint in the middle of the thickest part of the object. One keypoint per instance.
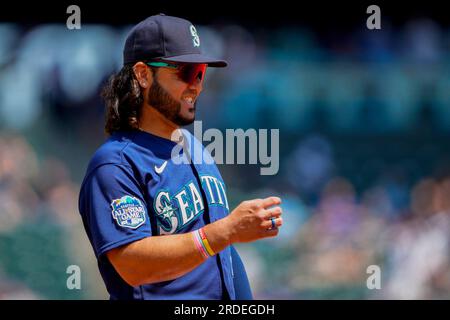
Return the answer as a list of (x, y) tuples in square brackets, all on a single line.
[(162, 101)]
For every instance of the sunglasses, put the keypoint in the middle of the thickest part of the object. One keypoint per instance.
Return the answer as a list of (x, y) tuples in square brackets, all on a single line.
[(187, 72)]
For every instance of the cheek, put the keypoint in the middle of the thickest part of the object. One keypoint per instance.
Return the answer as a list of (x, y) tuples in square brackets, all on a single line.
[(174, 87), (179, 89)]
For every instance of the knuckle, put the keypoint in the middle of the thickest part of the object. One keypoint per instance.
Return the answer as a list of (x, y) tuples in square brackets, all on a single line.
[(261, 215), (256, 205)]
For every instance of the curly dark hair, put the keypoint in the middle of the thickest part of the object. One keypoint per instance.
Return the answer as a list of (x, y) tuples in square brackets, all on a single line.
[(123, 100)]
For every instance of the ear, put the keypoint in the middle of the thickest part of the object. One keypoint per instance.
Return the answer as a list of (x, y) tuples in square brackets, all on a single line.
[(143, 74)]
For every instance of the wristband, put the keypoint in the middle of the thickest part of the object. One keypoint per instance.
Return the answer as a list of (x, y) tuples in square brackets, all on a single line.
[(199, 244), (205, 242)]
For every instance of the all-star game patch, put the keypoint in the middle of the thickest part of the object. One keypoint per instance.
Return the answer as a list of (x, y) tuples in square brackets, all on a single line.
[(128, 212)]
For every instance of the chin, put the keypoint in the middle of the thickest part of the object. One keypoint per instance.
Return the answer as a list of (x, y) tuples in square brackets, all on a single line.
[(190, 121), (185, 121), (190, 117)]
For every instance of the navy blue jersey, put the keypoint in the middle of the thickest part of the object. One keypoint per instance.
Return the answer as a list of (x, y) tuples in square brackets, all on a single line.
[(135, 188)]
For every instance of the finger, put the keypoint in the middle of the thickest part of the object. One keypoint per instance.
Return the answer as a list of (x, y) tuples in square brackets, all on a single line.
[(268, 223), (273, 212), (271, 233), (270, 201)]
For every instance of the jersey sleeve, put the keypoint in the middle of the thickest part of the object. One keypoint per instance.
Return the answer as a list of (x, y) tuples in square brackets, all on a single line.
[(113, 208)]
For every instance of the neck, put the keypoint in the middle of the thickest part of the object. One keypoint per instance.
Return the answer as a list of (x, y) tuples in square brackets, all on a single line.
[(155, 123)]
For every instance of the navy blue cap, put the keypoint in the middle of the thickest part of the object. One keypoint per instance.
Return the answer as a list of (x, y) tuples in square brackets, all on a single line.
[(166, 38)]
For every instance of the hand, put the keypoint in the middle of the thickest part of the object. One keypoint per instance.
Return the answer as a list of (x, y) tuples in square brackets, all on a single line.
[(251, 220)]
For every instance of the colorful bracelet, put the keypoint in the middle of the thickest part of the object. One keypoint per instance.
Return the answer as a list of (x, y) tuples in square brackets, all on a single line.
[(198, 244), (202, 243), (205, 242)]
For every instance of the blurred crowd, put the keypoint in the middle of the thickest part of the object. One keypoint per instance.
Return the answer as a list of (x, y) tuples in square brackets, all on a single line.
[(40, 233), (364, 121)]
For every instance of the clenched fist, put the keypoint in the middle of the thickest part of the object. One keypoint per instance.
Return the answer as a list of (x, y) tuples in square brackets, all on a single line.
[(252, 219)]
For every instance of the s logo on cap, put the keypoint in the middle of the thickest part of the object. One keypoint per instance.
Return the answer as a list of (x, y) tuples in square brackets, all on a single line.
[(196, 38)]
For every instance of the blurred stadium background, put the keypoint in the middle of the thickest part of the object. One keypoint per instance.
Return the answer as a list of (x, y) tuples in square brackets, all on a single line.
[(364, 119)]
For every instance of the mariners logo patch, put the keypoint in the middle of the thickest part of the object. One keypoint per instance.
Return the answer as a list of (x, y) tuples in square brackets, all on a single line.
[(128, 212), (195, 37)]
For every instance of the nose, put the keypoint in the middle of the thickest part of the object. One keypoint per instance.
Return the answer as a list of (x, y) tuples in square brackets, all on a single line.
[(196, 85)]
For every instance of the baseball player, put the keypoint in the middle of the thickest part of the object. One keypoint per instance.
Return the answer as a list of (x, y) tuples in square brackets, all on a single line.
[(161, 227)]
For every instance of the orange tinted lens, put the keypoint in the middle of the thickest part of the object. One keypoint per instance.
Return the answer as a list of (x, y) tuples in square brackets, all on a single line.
[(191, 72)]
